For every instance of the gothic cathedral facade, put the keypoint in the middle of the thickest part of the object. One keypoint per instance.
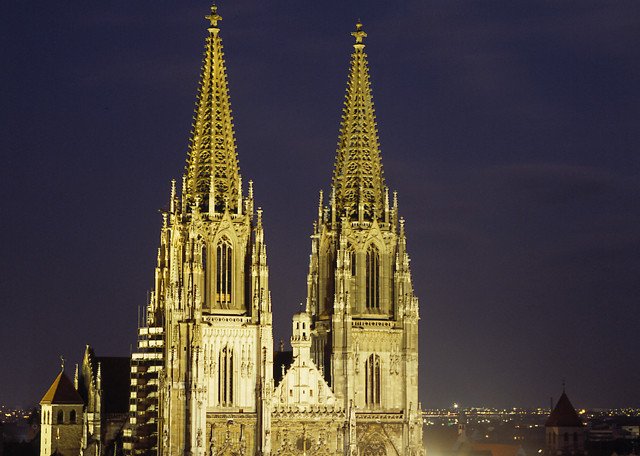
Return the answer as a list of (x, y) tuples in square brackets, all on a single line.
[(205, 378)]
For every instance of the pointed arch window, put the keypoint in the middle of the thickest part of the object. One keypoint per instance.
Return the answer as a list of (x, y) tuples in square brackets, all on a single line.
[(352, 259), (60, 417), (372, 380), (224, 274), (373, 279), (72, 416), (205, 275), (225, 377)]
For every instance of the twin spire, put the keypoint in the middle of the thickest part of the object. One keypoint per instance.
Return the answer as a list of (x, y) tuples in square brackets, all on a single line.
[(358, 182), (212, 171)]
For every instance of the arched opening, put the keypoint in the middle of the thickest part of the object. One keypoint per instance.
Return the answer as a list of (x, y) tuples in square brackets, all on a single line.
[(72, 416), (374, 446), (205, 275), (373, 279), (225, 377), (372, 380), (327, 276), (224, 274), (60, 417)]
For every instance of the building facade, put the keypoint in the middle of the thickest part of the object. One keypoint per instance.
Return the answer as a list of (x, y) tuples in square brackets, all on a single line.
[(203, 378)]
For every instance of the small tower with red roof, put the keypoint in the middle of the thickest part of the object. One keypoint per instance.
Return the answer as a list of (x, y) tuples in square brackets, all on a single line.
[(61, 418)]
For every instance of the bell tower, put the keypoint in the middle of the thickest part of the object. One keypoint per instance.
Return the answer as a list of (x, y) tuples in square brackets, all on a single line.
[(564, 430), (61, 418), (359, 290)]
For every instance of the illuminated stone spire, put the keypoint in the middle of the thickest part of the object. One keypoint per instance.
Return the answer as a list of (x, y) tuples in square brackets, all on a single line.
[(212, 162), (358, 183)]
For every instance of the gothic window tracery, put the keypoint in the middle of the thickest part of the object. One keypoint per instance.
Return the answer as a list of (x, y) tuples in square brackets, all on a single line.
[(373, 279), (374, 449), (372, 380), (224, 274), (225, 377)]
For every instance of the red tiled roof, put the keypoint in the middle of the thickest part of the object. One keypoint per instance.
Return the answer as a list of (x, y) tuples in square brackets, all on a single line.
[(61, 391), (564, 415)]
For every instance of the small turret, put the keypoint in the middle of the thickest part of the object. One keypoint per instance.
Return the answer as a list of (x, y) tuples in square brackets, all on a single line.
[(301, 335), (61, 417)]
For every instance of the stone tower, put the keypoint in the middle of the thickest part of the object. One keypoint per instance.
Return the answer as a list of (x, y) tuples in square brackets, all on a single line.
[(364, 315), (564, 430), (61, 418), (210, 311)]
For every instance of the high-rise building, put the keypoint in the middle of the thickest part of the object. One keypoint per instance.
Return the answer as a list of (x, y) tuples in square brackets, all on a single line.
[(204, 380)]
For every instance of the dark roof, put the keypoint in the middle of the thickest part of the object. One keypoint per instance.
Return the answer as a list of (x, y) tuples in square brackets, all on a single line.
[(61, 391), (115, 375), (495, 449), (563, 415), (281, 358)]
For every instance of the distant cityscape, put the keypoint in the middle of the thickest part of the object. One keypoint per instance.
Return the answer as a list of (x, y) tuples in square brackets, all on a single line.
[(608, 431)]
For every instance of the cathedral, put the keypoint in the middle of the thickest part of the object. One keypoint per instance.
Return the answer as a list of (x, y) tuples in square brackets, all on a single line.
[(205, 379)]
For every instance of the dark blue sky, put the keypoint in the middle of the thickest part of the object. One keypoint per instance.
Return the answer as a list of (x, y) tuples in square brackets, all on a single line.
[(511, 131)]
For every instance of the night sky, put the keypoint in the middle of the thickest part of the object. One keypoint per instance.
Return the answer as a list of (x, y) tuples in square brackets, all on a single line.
[(510, 129)]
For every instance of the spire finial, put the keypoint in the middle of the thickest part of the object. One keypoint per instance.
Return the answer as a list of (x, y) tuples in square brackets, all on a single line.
[(214, 17), (62, 363), (359, 34)]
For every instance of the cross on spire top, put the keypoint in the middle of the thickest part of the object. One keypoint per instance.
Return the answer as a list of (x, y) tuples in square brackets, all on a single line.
[(359, 34), (214, 17)]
